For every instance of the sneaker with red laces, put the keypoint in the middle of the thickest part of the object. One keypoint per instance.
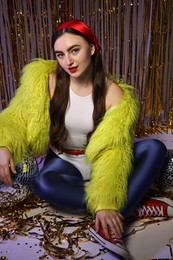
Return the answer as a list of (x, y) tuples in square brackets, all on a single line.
[(113, 244), (155, 207)]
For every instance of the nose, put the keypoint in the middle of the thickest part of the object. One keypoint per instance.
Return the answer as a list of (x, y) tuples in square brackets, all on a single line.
[(69, 60)]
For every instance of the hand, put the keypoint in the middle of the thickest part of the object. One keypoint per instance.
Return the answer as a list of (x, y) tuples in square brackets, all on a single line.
[(109, 220), (6, 166)]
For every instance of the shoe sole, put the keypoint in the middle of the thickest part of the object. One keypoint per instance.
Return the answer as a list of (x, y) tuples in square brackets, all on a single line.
[(114, 248)]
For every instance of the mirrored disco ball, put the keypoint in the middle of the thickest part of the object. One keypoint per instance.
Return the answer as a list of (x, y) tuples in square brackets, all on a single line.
[(22, 183), (164, 181)]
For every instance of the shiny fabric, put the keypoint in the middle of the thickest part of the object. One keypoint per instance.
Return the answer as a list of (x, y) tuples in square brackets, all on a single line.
[(60, 182), (82, 28), (149, 157)]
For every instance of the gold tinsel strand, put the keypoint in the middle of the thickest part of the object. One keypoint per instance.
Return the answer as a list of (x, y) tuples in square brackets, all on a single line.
[(136, 38)]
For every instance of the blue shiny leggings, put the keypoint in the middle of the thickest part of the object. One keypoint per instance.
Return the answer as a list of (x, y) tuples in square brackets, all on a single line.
[(59, 182)]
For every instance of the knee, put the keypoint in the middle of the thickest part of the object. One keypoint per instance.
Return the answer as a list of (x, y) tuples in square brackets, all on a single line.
[(157, 145), (150, 148), (150, 144), (157, 142)]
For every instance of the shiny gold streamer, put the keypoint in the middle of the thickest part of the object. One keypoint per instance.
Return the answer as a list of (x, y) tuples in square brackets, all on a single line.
[(136, 38)]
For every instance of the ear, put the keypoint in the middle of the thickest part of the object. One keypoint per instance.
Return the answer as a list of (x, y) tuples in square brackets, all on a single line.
[(93, 48)]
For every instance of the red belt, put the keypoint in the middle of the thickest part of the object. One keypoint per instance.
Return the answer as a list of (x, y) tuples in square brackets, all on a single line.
[(74, 151)]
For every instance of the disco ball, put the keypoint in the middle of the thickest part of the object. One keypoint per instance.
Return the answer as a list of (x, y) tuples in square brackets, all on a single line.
[(22, 183), (164, 181)]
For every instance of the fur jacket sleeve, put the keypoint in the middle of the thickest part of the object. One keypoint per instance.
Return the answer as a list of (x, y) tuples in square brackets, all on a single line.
[(24, 124), (110, 151)]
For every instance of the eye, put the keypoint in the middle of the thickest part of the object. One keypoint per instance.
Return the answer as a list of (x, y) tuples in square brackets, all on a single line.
[(75, 50), (59, 55)]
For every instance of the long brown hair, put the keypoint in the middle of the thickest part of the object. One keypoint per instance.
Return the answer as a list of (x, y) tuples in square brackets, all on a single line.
[(59, 102)]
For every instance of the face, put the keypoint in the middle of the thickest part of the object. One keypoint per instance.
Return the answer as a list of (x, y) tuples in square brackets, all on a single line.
[(74, 53)]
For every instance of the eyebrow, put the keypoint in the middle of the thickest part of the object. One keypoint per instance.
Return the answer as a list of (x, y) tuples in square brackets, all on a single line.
[(69, 49)]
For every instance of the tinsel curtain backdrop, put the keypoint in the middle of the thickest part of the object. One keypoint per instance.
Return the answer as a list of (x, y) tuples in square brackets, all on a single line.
[(136, 38)]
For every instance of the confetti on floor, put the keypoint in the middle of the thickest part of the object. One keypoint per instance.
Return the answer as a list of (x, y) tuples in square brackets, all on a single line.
[(35, 230)]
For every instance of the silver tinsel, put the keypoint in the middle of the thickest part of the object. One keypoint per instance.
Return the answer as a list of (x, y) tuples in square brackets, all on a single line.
[(22, 183)]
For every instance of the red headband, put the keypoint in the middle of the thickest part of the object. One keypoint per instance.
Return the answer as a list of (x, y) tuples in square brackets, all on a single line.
[(82, 28)]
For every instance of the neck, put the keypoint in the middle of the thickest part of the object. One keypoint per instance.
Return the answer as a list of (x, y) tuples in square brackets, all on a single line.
[(82, 85)]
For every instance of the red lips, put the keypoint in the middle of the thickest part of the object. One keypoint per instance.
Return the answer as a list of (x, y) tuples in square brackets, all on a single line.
[(73, 69)]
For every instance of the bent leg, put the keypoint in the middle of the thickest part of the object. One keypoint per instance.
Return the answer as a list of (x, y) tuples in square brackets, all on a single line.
[(149, 157), (61, 183)]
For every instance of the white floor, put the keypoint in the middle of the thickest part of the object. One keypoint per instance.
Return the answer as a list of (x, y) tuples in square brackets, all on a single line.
[(155, 241), (145, 239)]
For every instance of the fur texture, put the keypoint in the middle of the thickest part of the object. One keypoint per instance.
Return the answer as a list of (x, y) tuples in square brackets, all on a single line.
[(110, 151), (25, 125)]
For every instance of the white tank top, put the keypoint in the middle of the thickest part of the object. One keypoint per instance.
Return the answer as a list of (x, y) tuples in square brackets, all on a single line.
[(78, 122)]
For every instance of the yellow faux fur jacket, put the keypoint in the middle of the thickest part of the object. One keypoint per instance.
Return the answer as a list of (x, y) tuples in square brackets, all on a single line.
[(25, 125)]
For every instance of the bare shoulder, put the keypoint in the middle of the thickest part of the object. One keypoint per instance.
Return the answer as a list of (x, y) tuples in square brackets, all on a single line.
[(52, 84), (114, 94)]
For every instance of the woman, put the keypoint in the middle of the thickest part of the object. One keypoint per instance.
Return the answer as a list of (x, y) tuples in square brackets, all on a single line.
[(87, 123)]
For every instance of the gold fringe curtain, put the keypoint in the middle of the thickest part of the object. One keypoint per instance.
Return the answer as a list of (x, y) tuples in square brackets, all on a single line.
[(136, 37)]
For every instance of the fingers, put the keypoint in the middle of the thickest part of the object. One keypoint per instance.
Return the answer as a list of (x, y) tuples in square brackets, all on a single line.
[(117, 227), (113, 225), (5, 175), (111, 221), (97, 224), (6, 165), (100, 221), (12, 166), (105, 229)]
